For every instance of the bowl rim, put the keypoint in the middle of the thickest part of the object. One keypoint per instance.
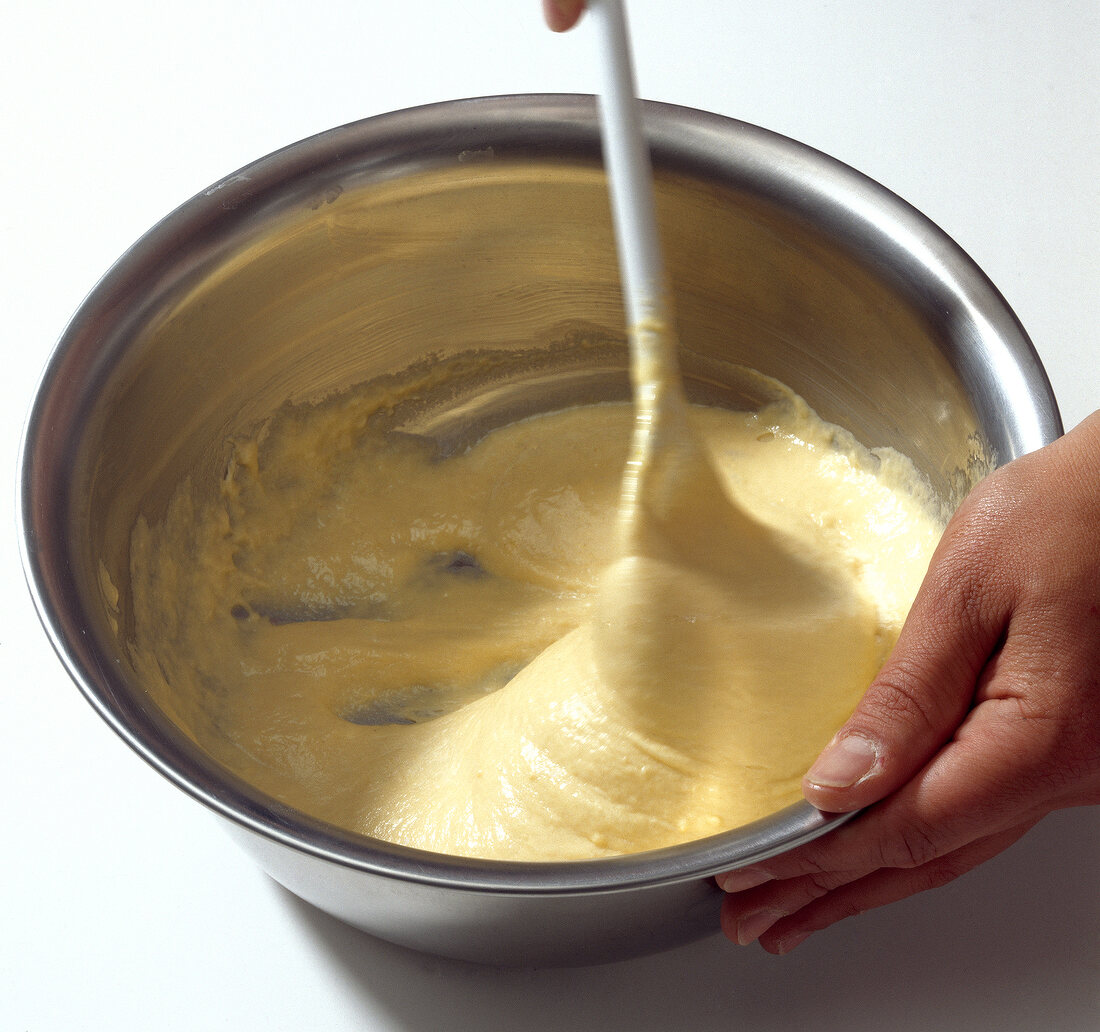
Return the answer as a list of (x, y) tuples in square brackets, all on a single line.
[(543, 122)]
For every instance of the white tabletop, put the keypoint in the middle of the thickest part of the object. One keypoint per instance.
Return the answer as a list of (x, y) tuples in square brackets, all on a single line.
[(125, 906)]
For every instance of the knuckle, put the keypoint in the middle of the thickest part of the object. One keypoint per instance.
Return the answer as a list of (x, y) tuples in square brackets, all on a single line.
[(811, 861), (817, 885), (991, 512), (903, 694), (969, 584), (911, 845)]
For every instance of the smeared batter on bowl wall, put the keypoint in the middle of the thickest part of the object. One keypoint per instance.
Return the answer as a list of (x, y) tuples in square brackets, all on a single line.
[(407, 643)]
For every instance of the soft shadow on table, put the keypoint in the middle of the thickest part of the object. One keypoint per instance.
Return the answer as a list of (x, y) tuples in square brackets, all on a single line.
[(1014, 944)]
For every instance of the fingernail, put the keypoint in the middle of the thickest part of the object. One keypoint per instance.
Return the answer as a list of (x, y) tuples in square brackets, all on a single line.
[(789, 942), (743, 878), (561, 14), (750, 928), (845, 762)]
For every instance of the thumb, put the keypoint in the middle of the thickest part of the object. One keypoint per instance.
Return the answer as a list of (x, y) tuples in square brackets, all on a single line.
[(923, 691)]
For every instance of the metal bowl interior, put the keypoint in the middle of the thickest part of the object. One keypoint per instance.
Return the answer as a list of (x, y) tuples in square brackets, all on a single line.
[(483, 227)]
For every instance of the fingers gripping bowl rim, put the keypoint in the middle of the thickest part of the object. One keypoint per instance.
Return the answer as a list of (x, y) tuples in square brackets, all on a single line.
[(781, 259)]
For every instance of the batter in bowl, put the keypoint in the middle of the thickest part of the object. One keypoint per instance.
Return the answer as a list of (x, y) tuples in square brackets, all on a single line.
[(416, 646)]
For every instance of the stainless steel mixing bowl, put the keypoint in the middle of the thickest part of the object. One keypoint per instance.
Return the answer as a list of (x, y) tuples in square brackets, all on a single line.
[(483, 226)]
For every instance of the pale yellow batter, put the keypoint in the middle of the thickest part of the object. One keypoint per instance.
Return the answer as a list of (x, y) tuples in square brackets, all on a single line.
[(349, 577)]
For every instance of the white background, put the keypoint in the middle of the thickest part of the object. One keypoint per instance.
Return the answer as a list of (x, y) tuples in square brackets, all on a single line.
[(124, 904)]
